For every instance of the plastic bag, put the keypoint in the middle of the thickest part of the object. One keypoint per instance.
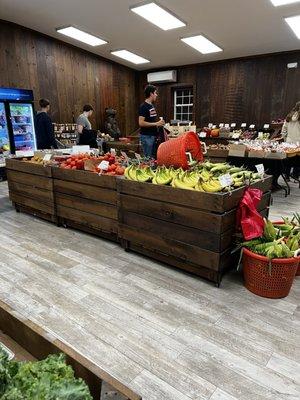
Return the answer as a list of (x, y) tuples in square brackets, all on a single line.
[(248, 218)]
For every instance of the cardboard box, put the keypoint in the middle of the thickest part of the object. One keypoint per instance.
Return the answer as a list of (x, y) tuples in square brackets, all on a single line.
[(237, 150), (275, 155), (256, 153)]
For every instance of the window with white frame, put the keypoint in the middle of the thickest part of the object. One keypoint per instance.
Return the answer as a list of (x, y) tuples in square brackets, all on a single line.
[(183, 104)]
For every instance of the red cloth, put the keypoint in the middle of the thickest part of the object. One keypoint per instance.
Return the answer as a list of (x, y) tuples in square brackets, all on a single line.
[(248, 218)]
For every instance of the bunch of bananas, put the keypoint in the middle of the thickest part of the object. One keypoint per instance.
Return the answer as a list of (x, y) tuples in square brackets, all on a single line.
[(278, 240), (203, 177)]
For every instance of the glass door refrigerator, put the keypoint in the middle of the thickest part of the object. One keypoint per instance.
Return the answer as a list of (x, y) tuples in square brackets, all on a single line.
[(17, 115), (22, 122)]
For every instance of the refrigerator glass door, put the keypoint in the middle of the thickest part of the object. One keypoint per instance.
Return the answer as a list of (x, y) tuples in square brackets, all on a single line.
[(23, 127), (4, 136)]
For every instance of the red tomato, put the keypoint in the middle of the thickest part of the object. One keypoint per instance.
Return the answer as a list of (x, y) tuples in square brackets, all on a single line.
[(74, 167)]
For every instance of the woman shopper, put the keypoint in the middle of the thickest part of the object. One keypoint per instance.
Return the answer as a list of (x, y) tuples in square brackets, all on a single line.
[(291, 134), (87, 136)]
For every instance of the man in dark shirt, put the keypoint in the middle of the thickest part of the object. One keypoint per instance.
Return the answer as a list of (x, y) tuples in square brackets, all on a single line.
[(149, 122), (44, 129)]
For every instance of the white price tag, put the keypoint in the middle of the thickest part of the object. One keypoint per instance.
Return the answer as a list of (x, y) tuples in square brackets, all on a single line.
[(266, 126), (226, 125), (225, 180), (47, 157), (221, 125), (233, 125), (260, 169), (214, 126), (252, 126), (210, 125), (104, 165), (138, 157), (113, 152), (202, 134), (243, 125)]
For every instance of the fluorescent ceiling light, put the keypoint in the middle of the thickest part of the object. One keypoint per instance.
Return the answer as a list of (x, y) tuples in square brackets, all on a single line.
[(81, 36), (277, 3), (127, 55), (201, 44), (152, 12), (294, 23)]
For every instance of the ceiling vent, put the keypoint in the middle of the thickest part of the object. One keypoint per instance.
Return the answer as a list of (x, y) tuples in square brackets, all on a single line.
[(162, 76)]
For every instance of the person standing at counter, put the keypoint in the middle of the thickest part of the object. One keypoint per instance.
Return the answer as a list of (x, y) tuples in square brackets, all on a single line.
[(44, 128), (291, 134), (84, 127), (149, 122)]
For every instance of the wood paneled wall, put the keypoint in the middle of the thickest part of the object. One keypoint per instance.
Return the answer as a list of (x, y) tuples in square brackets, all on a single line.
[(253, 90), (67, 76)]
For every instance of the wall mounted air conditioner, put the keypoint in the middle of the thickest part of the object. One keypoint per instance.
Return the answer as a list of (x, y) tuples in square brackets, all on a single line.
[(162, 76)]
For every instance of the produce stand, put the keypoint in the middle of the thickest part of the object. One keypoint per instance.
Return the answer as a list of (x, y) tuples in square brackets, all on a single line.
[(29, 341), (31, 188), (190, 230), (86, 201)]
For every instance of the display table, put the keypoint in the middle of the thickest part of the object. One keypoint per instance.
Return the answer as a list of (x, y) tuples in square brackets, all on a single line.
[(191, 230)]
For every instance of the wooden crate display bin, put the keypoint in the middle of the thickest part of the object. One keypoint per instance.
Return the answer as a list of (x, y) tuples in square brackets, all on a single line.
[(190, 230), (31, 188), (86, 201)]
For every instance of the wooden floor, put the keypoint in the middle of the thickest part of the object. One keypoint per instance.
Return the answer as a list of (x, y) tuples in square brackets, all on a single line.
[(166, 334)]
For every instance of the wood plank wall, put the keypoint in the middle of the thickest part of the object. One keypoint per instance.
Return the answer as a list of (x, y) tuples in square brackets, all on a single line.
[(253, 90), (67, 76)]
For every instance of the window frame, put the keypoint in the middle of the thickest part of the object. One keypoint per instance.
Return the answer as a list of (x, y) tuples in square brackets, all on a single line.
[(190, 105)]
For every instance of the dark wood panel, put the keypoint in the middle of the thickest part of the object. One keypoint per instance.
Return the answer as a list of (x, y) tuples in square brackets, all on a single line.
[(176, 249), (89, 206), (87, 219), (31, 203), (85, 177), (206, 240), (31, 180), (68, 76), (86, 191), (31, 192), (253, 90)]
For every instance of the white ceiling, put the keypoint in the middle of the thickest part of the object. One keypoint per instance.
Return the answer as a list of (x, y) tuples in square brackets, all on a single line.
[(240, 27)]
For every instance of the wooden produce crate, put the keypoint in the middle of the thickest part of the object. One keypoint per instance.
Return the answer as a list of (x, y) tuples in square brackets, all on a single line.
[(31, 188), (86, 201), (30, 342), (190, 230)]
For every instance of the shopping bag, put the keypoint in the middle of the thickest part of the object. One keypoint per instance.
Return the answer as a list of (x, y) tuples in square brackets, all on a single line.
[(248, 218)]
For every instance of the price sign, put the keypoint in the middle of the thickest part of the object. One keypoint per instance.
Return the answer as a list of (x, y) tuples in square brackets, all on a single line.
[(81, 149), (202, 134), (47, 157), (266, 126), (104, 165), (252, 126), (243, 125), (138, 157), (221, 125), (125, 156), (214, 126), (233, 125), (210, 125), (113, 152), (260, 169), (225, 180), (226, 125)]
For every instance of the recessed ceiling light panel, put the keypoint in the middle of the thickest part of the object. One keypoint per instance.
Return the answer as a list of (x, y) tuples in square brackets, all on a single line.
[(128, 56), (201, 44), (277, 3), (84, 37), (158, 16), (294, 23)]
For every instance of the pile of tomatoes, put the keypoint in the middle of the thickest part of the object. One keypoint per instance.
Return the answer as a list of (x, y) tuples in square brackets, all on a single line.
[(77, 162)]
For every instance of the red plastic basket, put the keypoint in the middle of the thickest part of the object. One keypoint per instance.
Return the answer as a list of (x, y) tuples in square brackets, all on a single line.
[(173, 151), (273, 284)]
